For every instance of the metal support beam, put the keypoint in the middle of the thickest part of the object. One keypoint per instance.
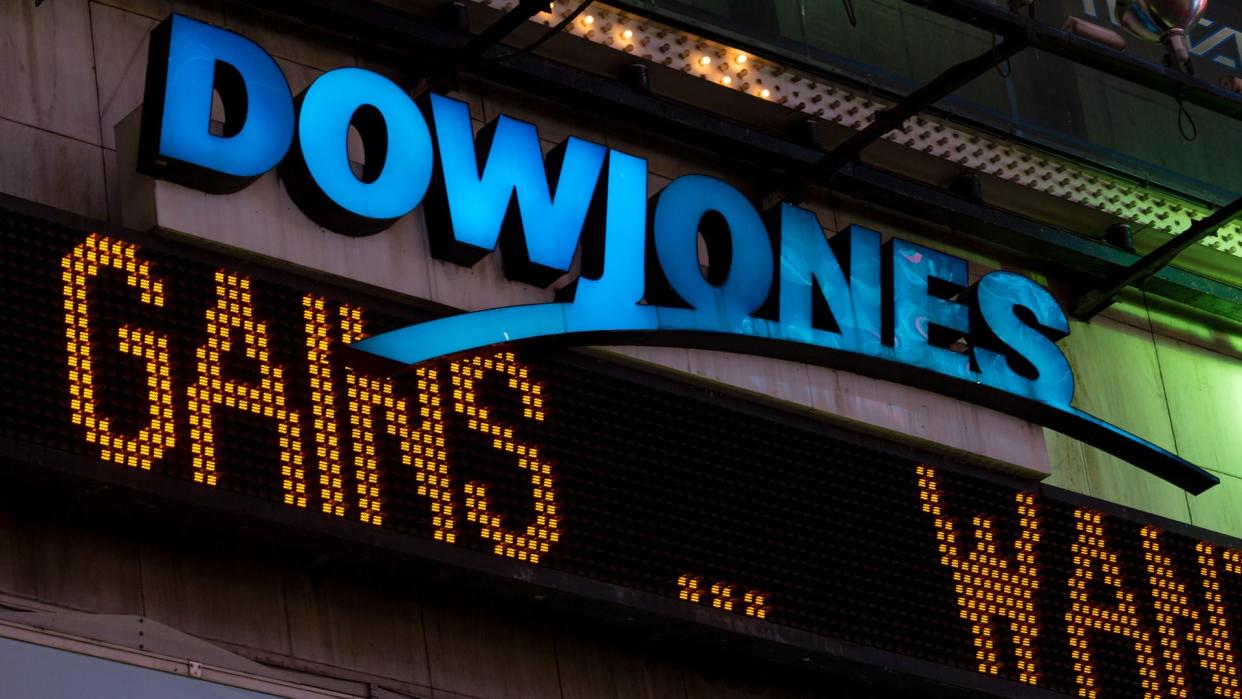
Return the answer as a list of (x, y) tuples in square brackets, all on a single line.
[(943, 85), (474, 49), (1100, 297), (1084, 52)]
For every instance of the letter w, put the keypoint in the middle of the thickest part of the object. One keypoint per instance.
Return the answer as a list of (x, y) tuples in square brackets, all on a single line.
[(989, 585), (537, 219)]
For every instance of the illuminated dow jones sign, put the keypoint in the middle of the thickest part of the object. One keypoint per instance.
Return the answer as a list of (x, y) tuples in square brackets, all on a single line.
[(775, 284)]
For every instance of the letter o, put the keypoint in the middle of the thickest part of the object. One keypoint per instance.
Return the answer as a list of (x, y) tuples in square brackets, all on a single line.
[(678, 216), (318, 173)]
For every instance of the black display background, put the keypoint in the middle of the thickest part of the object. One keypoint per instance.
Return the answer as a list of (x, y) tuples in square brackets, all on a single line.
[(654, 478)]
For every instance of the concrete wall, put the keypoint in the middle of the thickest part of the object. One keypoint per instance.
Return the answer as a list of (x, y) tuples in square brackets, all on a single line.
[(366, 623)]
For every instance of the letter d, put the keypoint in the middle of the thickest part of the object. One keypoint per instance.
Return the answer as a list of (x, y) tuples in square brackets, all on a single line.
[(188, 61)]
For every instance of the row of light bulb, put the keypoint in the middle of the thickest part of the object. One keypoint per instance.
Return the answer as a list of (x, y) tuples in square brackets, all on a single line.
[(619, 33)]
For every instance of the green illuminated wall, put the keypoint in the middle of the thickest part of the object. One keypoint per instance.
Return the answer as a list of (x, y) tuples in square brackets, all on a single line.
[(1163, 371), (1174, 381)]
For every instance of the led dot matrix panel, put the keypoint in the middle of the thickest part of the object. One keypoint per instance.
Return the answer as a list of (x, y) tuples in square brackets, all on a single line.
[(179, 364)]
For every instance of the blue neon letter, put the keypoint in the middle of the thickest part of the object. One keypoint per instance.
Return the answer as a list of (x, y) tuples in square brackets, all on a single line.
[(466, 211), (679, 216), (919, 316), (608, 293), (999, 296), (189, 59), (318, 173), (810, 265)]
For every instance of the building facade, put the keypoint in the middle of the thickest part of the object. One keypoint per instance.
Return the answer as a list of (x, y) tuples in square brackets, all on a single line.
[(426, 349)]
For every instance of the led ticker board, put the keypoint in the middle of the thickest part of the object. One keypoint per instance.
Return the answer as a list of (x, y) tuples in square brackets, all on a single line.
[(179, 365)]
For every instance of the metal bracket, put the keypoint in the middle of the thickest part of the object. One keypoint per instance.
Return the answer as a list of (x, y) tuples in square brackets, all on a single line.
[(943, 85), (478, 44), (1087, 305)]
